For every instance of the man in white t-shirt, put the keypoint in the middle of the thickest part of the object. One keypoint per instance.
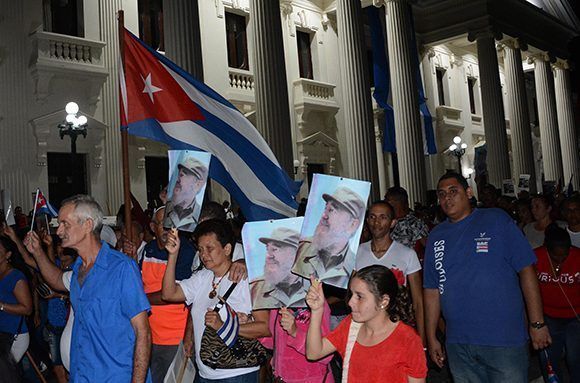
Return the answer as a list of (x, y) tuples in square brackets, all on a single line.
[(401, 260)]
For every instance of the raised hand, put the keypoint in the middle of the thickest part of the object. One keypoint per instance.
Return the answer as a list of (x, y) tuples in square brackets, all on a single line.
[(287, 321), (46, 238), (172, 244), (8, 231), (32, 243), (315, 296)]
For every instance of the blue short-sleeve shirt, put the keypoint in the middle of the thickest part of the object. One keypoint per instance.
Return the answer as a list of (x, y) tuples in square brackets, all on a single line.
[(10, 323), (474, 263), (103, 339)]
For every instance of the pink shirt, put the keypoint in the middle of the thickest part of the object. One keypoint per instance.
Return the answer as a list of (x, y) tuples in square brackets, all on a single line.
[(289, 361)]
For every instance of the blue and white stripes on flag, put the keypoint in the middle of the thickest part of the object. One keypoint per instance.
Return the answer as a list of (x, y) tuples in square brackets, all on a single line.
[(162, 102), (383, 86), (231, 327), (43, 206)]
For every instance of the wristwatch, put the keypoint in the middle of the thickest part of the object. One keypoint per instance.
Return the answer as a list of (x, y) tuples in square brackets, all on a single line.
[(537, 325)]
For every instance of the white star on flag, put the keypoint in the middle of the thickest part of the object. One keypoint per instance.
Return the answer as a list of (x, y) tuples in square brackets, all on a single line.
[(149, 87)]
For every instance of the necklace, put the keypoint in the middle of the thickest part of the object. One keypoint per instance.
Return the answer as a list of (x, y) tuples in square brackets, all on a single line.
[(214, 286)]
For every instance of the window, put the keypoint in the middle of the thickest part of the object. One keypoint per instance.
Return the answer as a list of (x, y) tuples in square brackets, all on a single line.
[(64, 17), (440, 85), (151, 23), (304, 54), (237, 41), (471, 87)]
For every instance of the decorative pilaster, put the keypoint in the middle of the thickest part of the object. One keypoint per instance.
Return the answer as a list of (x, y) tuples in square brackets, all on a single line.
[(356, 96), (271, 86), (111, 117), (521, 135), (566, 127), (409, 137), (498, 165), (546, 100), (183, 36)]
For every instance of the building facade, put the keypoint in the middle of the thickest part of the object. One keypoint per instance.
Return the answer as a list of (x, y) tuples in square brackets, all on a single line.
[(495, 73)]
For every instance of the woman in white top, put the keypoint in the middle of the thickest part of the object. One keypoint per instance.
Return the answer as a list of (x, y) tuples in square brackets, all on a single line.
[(534, 231), (215, 240)]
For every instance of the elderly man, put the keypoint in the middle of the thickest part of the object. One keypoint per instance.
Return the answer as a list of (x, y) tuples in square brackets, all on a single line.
[(279, 287), (328, 254), (111, 339), (182, 210)]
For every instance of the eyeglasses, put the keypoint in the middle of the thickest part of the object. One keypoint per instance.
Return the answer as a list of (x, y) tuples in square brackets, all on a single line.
[(442, 194)]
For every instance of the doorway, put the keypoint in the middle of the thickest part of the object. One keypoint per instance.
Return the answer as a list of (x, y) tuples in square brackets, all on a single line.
[(67, 176), (156, 177)]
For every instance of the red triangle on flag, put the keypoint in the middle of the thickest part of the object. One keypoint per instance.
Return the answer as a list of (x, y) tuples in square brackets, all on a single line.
[(151, 90)]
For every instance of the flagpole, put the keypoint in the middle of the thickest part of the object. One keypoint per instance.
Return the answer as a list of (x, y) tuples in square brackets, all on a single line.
[(125, 138), (34, 210)]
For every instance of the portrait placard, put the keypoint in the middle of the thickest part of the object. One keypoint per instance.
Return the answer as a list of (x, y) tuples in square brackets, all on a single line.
[(332, 228), (270, 250), (188, 172), (524, 183), (508, 188)]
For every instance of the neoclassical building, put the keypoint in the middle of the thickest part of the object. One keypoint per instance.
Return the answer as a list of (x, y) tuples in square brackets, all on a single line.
[(494, 72)]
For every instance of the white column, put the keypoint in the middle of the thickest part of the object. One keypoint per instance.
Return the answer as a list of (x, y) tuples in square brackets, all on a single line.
[(546, 100), (356, 97), (113, 167), (409, 138), (182, 35), (18, 167), (380, 157), (498, 165), (272, 104), (517, 104), (566, 126)]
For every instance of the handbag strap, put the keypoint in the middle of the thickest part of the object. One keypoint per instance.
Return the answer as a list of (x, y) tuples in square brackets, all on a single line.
[(352, 335), (222, 300), (19, 327)]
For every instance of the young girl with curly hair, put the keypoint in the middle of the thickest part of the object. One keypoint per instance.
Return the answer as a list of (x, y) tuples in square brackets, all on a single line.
[(374, 342)]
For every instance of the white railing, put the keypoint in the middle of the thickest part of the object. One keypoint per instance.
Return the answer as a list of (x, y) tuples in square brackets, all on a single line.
[(315, 89), (241, 80), (69, 49)]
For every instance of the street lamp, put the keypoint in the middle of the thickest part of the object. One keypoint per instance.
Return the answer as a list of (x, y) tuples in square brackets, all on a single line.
[(457, 149), (73, 125)]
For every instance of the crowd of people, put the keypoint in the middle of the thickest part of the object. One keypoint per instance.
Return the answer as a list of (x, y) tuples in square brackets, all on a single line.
[(473, 286)]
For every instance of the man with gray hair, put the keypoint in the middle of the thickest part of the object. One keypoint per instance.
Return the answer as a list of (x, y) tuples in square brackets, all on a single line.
[(328, 254), (107, 295)]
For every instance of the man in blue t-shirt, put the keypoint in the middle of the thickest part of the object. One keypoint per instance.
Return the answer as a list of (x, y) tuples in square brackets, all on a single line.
[(477, 265)]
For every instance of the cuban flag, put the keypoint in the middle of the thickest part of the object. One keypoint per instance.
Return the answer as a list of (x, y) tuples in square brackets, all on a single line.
[(43, 206), (231, 327), (162, 102), (383, 85)]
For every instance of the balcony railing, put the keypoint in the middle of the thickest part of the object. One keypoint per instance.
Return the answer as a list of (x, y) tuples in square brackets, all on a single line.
[(241, 80), (314, 94), (53, 48)]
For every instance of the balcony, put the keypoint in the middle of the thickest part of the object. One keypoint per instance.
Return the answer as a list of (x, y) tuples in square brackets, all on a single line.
[(67, 57), (449, 118), (314, 95), (241, 86)]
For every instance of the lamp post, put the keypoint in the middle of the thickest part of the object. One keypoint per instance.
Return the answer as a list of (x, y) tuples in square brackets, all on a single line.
[(73, 126), (457, 149)]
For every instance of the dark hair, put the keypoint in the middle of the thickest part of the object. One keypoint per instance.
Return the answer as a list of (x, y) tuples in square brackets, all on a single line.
[(222, 230), (16, 259), (547, 201), (398, 193), (456, 176), (384, 203), (556, 237), (212, 210), (381, 281)]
